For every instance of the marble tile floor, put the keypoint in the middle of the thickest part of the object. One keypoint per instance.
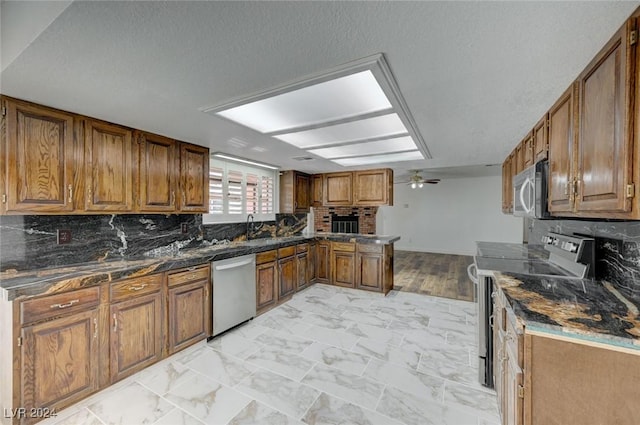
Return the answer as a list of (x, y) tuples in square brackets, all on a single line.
[(367, 359)]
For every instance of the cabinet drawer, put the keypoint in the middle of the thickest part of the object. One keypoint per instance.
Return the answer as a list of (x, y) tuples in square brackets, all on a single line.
[(266, 257), (303, 247), (191, 274), (69, 302), (343, 246), (367, 247), (131, 288), (287, 251)]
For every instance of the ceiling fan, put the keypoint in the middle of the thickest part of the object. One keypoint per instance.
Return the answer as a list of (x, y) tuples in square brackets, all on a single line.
[(417, 181)]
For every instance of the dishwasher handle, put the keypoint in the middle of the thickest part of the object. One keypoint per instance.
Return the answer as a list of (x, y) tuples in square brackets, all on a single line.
[(234, 265)]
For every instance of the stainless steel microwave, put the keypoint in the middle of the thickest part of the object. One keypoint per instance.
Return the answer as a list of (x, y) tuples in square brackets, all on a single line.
[(530, 191)]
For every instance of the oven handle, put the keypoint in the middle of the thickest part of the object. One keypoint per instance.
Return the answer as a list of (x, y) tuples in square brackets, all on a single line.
[(472, 271)]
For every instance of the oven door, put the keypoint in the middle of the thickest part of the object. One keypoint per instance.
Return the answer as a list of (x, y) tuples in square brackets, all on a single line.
[(485, 330)]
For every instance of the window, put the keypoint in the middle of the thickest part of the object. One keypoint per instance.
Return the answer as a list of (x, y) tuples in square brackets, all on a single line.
[(236, 190)]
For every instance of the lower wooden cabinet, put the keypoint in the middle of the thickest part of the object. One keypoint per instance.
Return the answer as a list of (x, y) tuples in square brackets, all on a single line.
[(287, 275), (266, 280), (343, 264), (302, 266), (59, 361), (311, 262), (137, 334), (369, 267), (188, 307), (323, 262)]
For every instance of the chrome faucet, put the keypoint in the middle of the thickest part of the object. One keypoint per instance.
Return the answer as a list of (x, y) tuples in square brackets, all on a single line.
[(249, 225)]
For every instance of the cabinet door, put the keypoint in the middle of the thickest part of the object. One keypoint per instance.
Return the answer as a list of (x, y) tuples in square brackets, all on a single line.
[(561, 148), (136, 337), (266, 284), (373, 187), (311, 262), (109, 161), (338, 188), (527, 151), (316, 190), (158, 173), (540, 139), (604, 156), (303, 272), (323, 262), (343, 265), (301, 191), (194, 178), (287, 276), (39, 149), (513, 400), (189, 314), (60, 361), (369, 271), (507, 185), (519, 158)]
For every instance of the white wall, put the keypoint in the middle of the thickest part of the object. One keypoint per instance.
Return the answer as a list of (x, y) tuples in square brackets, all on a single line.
[(449, 217)]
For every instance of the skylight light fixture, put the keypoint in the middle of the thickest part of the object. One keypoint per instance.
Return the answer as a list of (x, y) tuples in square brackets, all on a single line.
[(243, 160), (356, 109)]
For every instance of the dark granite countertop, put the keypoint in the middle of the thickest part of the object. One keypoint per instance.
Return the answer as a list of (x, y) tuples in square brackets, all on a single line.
[(578, 308), (17, 284)]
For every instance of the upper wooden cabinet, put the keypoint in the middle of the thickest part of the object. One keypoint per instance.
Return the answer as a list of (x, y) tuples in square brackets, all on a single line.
[(37, 156), (373, 187), (541, 139), (194, 178), (507, 185), (316, 190), (109, 160), (603, 173), (294, 192), (561, 136), (338, 189), (527, 151), (158, 179)]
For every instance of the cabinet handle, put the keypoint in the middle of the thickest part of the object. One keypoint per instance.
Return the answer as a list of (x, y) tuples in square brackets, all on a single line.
[(115, 322), (70, 192), (69, 304), (95, 327), (173, 197), (491, 320), (88, 196), (137, 288)]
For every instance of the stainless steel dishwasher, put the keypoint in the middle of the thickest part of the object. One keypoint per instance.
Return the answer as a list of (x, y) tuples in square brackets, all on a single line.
[(234, 292)]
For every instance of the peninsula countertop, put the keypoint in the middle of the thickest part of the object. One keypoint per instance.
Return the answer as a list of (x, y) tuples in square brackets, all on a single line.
[(17, 284)]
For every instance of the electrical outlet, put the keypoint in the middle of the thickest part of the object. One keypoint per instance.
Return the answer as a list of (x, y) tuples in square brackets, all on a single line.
[(185, 228), (64, 236)]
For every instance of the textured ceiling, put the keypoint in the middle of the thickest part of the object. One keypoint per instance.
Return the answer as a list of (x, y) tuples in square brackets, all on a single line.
[(476, 75)]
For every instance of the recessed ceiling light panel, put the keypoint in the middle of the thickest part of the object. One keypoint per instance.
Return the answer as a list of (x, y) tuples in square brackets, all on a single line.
[(369, 128), (398, 144), (332, 100), (379, 159)]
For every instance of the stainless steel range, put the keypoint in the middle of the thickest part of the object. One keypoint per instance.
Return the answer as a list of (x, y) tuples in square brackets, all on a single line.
[(563, 255)]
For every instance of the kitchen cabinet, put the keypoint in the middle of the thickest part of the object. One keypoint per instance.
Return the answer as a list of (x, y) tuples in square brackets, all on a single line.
[(541, 139), (323, 262), (188, 307), (287, 271), (136, 319), (302, 266), (267, 282), (338, 189), (109, 167), (369, 263), (507, 185), (373, 187), (59, 349), (37, 151), (312, 261), (158, 182), (604, 159), (194, 179), (294, 192), (527, 151), (561, 137), (343, 264), (519, 158), (317, 190)]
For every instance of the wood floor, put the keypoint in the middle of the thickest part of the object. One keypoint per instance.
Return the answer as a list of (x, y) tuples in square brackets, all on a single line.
[(440, 275)]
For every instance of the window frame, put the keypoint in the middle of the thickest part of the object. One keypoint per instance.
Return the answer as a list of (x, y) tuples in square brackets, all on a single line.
[(227, 167)]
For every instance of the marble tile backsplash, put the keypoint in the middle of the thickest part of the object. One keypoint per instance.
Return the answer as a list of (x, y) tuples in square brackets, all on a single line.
[(617, 247), (30, 241)]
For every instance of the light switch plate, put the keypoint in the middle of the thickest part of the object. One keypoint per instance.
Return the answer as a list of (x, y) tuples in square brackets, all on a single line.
[(64, 236)]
